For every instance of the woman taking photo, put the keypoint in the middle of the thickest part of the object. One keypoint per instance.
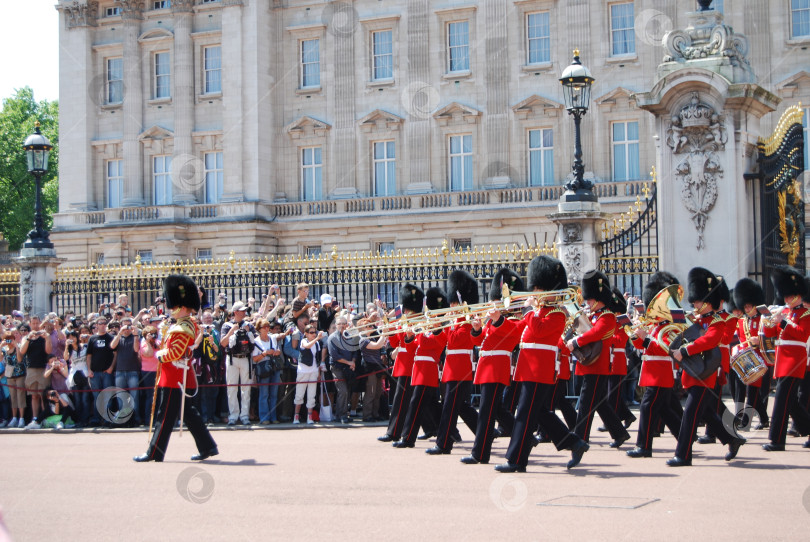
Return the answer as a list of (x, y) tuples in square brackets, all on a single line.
[(149, 363), (75, 354), (310, 364), (16, 382)]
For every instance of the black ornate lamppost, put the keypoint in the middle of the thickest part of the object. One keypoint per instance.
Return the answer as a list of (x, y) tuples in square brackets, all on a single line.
[(576, 82), (704, 5), (37, 149)]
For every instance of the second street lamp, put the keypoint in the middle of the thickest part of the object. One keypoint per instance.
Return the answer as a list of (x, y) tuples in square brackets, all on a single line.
[(576, 81)]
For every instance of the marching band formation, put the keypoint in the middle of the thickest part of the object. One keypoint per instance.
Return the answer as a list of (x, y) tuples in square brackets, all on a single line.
[(528, 352)]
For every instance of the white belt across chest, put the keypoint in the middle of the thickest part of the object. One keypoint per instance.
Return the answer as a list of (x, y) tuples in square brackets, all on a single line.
[(484, 353), (424, 358), (539, 346), (780, 342), (459, 352)]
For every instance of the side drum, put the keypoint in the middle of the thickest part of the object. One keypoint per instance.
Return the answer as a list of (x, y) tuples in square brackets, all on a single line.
[(749, 365)]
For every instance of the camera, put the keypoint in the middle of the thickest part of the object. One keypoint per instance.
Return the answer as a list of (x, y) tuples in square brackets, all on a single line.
[(160, 300)]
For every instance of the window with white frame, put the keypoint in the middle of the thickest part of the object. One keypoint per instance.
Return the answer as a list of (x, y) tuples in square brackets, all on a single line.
[(311, 174), (161, 4), (212, 66), (209, 1), (205, 254), (213, 177), (162, 75), (115, 80), (625, 151), (310, 63), (162, 179), (385, 175), (799, 18), (386, 291), (541, 157), (461, 162), (146, 256), (115, 182), (382, 55), (458, 46), (538, 36), (98, 257), (112, 11), (622, 29)]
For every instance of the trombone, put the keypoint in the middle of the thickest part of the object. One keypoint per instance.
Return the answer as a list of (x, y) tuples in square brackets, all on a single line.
[(565, 296)]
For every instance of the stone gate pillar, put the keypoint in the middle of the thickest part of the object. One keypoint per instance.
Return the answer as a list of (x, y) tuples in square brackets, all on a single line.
[(707, 109), (578, 226), (37, 273)]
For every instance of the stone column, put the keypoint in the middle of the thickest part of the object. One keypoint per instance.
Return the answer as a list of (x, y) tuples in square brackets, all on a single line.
[(132, 15), (232, 106), (188, 169), (498, 172), (37, 273), (85, 94), (419, 97), (342, 28)]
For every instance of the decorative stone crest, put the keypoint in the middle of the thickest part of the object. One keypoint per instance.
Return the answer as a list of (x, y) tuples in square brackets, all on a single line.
[(572, 233), (80, 14), (573, 262), (182, 6), (705, 42), (131, 9), (698, 132)]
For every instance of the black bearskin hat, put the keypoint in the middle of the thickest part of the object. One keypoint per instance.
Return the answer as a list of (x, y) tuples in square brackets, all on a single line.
[(788, 281), (618, 303), (731, 306), (748, 291), (595, 285), (436, 298), (461, 284), (806, 296), (412, 297), (704, 286), (508, 277), (657, 282), (725, 294), (181, 291), (547, 273)]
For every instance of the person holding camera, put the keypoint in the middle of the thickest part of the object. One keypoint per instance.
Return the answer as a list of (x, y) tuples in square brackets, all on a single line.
[(127, 345), (12, 358), (76, 355), (267, 365), (310, 364), (149, 346), (37, 346), (238, 338), (207, 351), (60, 403), (100, 357)]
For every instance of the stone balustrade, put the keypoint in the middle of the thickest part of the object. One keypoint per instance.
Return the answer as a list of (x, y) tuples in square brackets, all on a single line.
[(540, 196)]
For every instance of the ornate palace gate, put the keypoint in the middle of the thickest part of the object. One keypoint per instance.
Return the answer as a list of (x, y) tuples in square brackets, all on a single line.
[(777, 203), (628, 253)]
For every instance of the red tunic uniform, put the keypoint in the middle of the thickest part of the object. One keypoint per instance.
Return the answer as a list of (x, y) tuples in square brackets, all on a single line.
[(495, 356), (403, 364), (715, 328), (791, 348), (458, 360), (538, 345), (426, 361), (176, 351), (604, 326), (657, 367), (725, 342), (618, 359), (564, 369), (749, 327)]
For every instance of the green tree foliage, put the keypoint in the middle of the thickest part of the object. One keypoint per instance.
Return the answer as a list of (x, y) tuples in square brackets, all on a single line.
[(17, 186)]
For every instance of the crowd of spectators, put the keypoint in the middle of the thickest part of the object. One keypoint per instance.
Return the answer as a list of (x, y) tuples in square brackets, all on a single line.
[(257, 363)]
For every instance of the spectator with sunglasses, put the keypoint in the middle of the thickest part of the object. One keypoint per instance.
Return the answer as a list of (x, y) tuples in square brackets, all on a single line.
[(310, 364)]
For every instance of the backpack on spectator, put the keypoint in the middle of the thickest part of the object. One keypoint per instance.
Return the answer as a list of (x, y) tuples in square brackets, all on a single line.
[(242, 346), (209, 355)]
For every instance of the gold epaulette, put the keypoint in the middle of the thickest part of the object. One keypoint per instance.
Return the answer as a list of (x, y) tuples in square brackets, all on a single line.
[(805, 314), (717, 318), (184, 325), (552, 311)]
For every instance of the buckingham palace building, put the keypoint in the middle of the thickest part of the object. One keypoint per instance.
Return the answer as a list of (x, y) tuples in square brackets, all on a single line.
[(193, 128)]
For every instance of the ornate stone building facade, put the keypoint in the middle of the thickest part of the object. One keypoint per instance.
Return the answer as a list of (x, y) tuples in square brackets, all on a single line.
[(190, 128)]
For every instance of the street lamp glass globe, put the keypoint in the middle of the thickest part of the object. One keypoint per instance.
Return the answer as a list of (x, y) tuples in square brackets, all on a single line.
[(37, 150), (576, 81)]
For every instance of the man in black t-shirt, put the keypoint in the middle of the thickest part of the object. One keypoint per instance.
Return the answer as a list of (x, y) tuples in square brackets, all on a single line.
[(36, 346), (127, 364), (100, 357)]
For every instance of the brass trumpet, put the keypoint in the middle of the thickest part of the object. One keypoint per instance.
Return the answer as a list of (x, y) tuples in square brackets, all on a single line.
[(565, 296)]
